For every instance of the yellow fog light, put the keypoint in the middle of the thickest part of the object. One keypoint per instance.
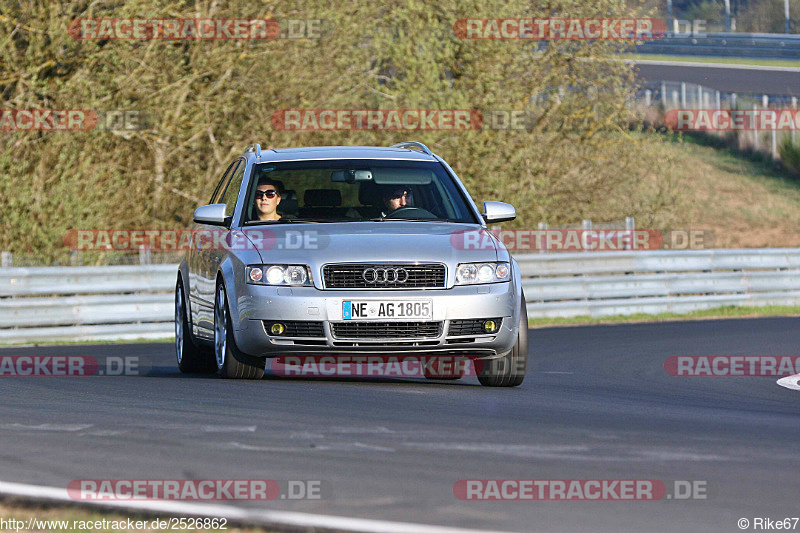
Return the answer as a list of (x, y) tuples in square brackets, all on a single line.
[(490, 326), (277, 328)]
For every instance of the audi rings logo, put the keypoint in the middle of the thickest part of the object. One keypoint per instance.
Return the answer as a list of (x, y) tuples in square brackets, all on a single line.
[(385, 275)]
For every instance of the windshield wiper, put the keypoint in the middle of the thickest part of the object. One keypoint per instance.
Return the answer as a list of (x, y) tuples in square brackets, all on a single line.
[(385, 219), (285, 221)]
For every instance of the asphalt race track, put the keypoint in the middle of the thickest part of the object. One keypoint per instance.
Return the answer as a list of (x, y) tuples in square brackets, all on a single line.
[(601, 406), (731, 78)]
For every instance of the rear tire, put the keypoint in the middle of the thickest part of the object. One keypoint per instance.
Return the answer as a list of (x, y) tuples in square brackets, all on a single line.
[(231, 363), (191, 358), (509, 370)]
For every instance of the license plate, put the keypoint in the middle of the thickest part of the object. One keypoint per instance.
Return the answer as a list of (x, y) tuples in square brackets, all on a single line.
[(386, 309)]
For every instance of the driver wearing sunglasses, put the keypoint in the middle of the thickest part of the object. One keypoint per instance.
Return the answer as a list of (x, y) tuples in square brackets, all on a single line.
[(267, 198)]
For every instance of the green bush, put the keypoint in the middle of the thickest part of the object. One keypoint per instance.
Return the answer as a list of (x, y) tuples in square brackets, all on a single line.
[(709, 10), (208, 99), (790, 155), (768, 16)]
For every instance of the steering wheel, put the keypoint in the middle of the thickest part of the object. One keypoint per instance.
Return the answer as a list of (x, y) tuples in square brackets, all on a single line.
[(410, 212)]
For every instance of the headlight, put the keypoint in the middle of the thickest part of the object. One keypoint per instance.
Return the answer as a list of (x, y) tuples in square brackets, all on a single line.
[(478, 273), (278, 275)]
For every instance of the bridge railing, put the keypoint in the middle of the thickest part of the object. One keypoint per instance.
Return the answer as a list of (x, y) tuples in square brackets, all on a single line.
[(750, 45)]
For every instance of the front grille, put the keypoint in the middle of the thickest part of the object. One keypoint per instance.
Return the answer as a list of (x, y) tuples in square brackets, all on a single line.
[(386, 330), (351, 276), (470, 327), (297, 328)]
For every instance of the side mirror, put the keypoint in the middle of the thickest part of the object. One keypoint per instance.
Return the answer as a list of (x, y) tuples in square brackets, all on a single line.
[(498, 212), (213, 214)]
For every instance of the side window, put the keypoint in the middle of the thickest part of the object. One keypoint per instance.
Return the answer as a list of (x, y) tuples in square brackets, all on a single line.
[(232, 192), (221, 185)]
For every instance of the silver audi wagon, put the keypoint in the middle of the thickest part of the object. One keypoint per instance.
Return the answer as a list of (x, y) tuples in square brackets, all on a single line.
[(348, 250)]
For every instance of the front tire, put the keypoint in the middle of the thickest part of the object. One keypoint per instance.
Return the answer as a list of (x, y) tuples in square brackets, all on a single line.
[(191, 359), (509, 370), (231, 363)]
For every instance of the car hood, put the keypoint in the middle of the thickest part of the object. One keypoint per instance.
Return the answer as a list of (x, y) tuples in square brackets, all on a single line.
[(318, 244)]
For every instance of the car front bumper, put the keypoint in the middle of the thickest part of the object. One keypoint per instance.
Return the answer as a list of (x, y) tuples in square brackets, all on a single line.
[(257, 304)]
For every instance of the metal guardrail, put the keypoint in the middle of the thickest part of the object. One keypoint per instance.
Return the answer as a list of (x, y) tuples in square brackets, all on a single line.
[(753, 45), (623, 283), (44, 304)]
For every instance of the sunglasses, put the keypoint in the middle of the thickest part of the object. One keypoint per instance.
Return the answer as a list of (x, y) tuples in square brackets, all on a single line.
[(270, 193)]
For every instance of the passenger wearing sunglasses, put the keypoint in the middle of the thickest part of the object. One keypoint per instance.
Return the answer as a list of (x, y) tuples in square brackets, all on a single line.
[(268, 196)]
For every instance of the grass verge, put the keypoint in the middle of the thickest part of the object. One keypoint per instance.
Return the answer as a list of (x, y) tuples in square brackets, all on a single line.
[(23, 511), (739, 199), (730, 311)]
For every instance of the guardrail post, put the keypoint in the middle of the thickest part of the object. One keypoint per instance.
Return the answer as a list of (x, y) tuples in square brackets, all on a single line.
[(733, 100), (669, 12), (5, 259), (786, 15), (647, 96), (755, 131), (683, 94), (144, 255), (717, 101), (664, 95), (630, 228), (794, 106), (728, 16), (774, 138), (587, 226), (543, 227), (700, 97), (764, 101), (75, 258)]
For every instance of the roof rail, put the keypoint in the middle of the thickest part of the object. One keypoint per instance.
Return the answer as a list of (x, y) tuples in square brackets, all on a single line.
[(255, 148), (413, 144)]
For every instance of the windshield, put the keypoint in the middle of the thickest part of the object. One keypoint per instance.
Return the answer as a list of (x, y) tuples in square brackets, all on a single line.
[(354, 191)]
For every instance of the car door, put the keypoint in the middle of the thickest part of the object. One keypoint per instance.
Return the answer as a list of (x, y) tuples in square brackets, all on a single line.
[(201, 308), (213, 251)]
